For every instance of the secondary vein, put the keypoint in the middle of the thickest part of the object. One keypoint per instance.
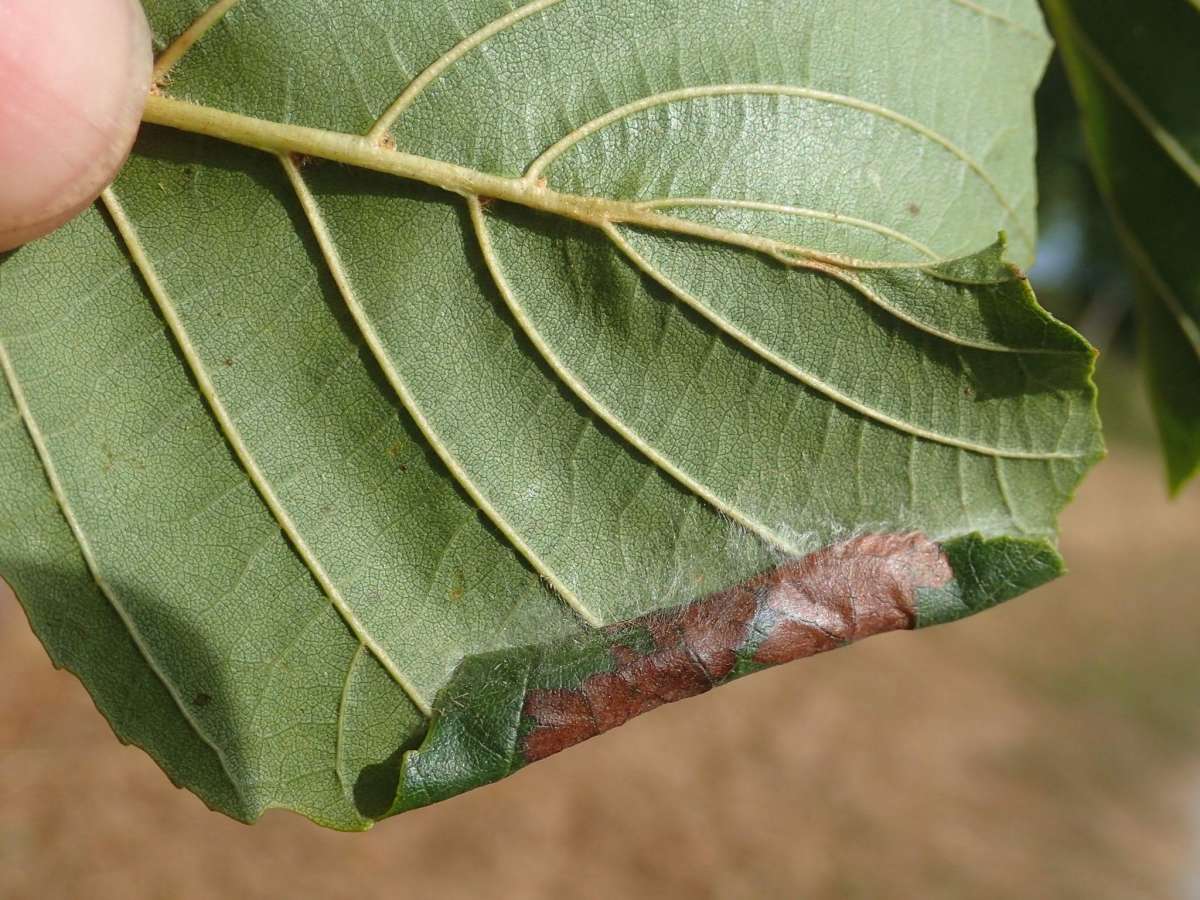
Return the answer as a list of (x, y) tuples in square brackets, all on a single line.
[(580, 390), (538, 167), (806, 378), (238, 444), (796, 211), (193, 33), (448, 59), (93, 567), (380, 352), (1170, 297), (981, 10)]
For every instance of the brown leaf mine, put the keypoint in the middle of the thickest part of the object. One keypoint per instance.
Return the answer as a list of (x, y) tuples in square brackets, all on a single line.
[(835, 595)]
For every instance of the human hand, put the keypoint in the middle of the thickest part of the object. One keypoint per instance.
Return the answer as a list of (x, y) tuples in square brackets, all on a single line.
[(73, 80)]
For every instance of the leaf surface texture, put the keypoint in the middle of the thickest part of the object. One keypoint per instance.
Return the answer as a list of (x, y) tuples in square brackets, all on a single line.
[(614, 306)]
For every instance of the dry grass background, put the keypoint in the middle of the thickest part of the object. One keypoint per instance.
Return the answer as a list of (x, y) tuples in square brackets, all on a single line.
[(1050, 748)]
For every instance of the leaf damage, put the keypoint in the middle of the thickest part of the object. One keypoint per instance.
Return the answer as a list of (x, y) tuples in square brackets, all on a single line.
[(829, 598), (504, 709)]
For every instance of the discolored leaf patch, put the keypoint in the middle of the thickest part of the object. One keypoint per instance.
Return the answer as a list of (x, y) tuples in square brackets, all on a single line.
[(836, 595), (505, 709)]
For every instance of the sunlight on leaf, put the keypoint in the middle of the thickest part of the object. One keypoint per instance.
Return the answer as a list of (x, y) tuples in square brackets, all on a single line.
[(354, 404)]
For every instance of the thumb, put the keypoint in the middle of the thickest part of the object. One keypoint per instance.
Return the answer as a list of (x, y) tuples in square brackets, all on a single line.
[(73, 81)]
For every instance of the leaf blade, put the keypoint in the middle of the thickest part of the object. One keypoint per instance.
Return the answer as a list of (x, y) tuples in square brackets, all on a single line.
[(1143, 133), (413, 485)]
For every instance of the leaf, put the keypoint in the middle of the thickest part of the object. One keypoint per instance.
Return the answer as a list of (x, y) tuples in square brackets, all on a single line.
[(628, 352), (1135, 81)]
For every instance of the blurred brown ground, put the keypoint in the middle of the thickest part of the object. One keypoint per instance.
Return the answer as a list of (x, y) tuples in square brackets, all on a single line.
[(1050, 748)]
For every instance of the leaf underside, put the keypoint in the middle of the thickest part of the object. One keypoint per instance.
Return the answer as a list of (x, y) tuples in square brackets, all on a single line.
[(1137, 89), (297, 456)]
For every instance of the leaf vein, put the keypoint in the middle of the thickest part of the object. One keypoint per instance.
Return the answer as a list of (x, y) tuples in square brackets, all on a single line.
[(178, 48), (799, 212), (1187, 323), (242, 451), (536, 169), (436, 69), (92, 565), (983, 11), (383, 358), (579, 389), (804, 377), (1170, 144)]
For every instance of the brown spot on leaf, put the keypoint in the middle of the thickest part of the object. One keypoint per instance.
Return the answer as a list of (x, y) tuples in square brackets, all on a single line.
[(202, 699), (847, 592), (913, 209), (839, 594), (387, 142), (564, 718)]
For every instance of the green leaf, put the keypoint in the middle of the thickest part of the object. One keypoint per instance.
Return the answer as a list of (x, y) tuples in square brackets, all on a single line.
[(1134, 75), (672, 342)]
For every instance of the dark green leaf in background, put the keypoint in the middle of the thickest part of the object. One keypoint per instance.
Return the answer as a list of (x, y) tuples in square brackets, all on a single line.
[(1135, 70), (309, 437)]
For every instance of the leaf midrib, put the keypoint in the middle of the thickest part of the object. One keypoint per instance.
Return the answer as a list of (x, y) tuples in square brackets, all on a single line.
[(354, 150), (292, 141), (1163, 136), (555, 151), (1167, 142)]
